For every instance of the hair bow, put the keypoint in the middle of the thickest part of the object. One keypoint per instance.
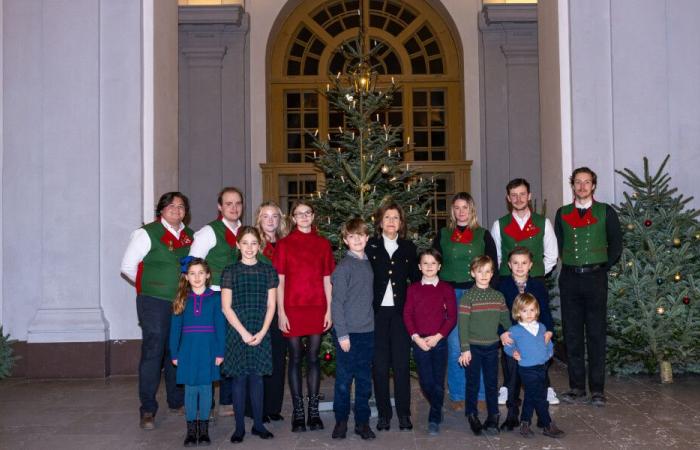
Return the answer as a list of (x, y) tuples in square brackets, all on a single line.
[(185, 262)]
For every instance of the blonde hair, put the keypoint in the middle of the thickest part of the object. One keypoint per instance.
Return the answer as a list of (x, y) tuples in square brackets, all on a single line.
[(473, 221), (521, 302), (354, 226), (480, 261), (183, 288), (282, 229)]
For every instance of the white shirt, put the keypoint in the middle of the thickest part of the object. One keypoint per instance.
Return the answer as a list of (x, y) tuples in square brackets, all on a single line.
[(551, 249), (434, 281), (533, 327), (205, 240), (390, 245), (586, 205), (138, 248)]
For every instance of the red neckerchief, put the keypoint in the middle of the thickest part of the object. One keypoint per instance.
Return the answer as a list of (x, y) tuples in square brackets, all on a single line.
[(463, 237), (230, 237), (172, 242), (514, 231), (575, 220)]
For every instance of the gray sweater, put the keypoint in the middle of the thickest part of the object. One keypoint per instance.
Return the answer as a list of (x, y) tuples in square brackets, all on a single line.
[(351, 308)]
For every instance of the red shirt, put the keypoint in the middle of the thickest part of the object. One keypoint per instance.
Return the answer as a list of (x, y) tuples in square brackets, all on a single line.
[(304, 259), (430, 309)]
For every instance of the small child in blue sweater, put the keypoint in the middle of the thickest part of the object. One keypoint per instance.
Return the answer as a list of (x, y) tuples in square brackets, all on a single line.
[(531, 351)]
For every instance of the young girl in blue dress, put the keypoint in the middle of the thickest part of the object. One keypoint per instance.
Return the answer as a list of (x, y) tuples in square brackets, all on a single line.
[(248, 296), (197, 345)]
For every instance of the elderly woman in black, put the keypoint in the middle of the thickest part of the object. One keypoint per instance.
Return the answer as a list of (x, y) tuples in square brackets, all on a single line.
[(395, 266)]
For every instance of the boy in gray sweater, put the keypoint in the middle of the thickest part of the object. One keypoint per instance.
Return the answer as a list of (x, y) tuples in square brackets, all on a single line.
[(353, 331)]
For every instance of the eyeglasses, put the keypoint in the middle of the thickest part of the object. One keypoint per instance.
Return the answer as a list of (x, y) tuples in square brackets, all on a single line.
[(174, 206), (307, 213)]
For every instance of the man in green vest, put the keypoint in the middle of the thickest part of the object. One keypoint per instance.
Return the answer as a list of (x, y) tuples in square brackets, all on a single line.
[(590, 242), (152, 263), (216, 242)]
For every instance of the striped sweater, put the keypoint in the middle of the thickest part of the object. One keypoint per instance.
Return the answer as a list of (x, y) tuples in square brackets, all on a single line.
[(480, 313)]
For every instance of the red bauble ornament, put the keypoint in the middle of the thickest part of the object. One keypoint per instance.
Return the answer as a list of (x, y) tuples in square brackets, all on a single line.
[(328, 356), (647, 223), (686, 300)]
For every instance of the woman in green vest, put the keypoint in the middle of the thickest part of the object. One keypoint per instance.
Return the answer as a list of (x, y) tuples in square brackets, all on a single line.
[(461, 241)]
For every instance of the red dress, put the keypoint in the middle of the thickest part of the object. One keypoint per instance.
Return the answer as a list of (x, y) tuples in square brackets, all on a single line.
[(304, 259)]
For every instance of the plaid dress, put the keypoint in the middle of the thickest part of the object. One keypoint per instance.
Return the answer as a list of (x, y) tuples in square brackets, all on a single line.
[(250, 285)]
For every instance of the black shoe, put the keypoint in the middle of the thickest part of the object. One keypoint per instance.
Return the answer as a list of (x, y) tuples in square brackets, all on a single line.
[(237, 438), (298, 422), (265, 418), (539, 423), (264, 434), (203, 438), (364, 431), (275, 417), (314, 418), (191, 438), (405, 423), (573, 396), (383, 423), (598, 399), (553, 431), (340, 431), (525, 430), (474, 424), (511, 421), (491, 424)]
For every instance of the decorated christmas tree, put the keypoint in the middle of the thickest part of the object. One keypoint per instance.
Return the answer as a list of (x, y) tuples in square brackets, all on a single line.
[(364, 161), (654, 290)]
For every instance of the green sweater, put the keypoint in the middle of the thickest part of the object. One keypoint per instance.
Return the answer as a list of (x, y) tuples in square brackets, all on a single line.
[(480, 313)]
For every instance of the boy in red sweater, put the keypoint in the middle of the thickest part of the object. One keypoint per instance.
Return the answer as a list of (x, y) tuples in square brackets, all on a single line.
[(430, 314)]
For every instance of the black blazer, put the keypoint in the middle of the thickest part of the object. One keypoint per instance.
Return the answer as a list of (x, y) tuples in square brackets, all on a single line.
[(401, 269)]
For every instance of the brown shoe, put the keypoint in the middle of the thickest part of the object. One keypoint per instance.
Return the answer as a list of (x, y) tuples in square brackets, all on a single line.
[(147, 421), (225, 410), (457, 405), (525, 430), (553, 431), (177, 411)]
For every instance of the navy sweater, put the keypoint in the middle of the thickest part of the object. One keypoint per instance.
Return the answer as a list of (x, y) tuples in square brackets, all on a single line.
[(509, 289)]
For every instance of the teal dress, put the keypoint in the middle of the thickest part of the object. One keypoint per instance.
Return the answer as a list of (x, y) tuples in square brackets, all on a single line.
[(250, 285), (197, 339)]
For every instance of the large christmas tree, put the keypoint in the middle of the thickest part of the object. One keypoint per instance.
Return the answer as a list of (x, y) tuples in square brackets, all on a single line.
[(654, 291), (364, 161)]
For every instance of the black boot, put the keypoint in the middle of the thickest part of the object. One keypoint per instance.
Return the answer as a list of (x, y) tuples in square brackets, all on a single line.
[(491, 424), (364, 431), (474, 424), (191, 438), (203, 438), (314, 418), (298, 423), (341, 430), (511, 421)]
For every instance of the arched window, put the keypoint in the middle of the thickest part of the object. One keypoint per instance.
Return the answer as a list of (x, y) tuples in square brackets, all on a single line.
[(418, 51)]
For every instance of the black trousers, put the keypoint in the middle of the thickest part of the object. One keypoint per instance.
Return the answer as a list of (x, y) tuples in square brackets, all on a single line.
[(584, 309), (273, 385), (392, 348), (535, 394)]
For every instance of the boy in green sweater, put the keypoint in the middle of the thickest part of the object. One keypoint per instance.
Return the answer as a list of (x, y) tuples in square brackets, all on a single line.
[(481, 310)]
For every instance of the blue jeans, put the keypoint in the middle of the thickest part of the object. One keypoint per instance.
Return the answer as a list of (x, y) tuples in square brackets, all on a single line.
[(154, 317), (254, 384), (431, 367), (456, 381), (484, 361), (357, 364), (197, 400), (533, 379)]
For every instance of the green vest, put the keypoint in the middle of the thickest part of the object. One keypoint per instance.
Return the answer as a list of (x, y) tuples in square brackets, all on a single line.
[(160, 270), (222, 254), (534, 243), (585, 244), (457, 257)]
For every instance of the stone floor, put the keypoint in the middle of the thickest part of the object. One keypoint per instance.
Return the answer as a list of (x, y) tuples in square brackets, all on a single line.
[(103, 414)]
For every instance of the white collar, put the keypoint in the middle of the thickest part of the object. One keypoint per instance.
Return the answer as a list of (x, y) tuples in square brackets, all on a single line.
[(533, 327), (172, 229), (231, 225), (433, 282), (583, 205), (387, 238)]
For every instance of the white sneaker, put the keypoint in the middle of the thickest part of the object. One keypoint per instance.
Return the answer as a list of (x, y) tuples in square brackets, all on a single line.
[(503, 395), (552, 398)]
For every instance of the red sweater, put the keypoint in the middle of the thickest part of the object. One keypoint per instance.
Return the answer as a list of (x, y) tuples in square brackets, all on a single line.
[(430, 309)]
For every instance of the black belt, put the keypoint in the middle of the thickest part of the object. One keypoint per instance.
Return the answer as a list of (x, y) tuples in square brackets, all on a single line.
[(584, 269)]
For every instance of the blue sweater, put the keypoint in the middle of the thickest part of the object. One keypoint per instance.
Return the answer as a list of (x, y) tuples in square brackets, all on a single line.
[(533, 350), (509, 289)]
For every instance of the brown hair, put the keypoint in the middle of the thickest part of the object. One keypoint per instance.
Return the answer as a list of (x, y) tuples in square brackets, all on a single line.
[(168, 198), (297, 203), (354, 226), (480, 261), (583, 169), (282, 229), (379, 215), (227, 190), (521, 302), (517, 182), (473, 221), (520, 250), (247, 229), (183, 288), (430, 252)]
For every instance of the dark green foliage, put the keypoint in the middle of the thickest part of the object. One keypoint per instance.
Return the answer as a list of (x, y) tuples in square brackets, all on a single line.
[(7, 359), (654, 295)]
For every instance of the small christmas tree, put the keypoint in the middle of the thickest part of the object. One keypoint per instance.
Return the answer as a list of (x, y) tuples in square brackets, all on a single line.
[(7, 359), (654, 290), (363, 162)]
